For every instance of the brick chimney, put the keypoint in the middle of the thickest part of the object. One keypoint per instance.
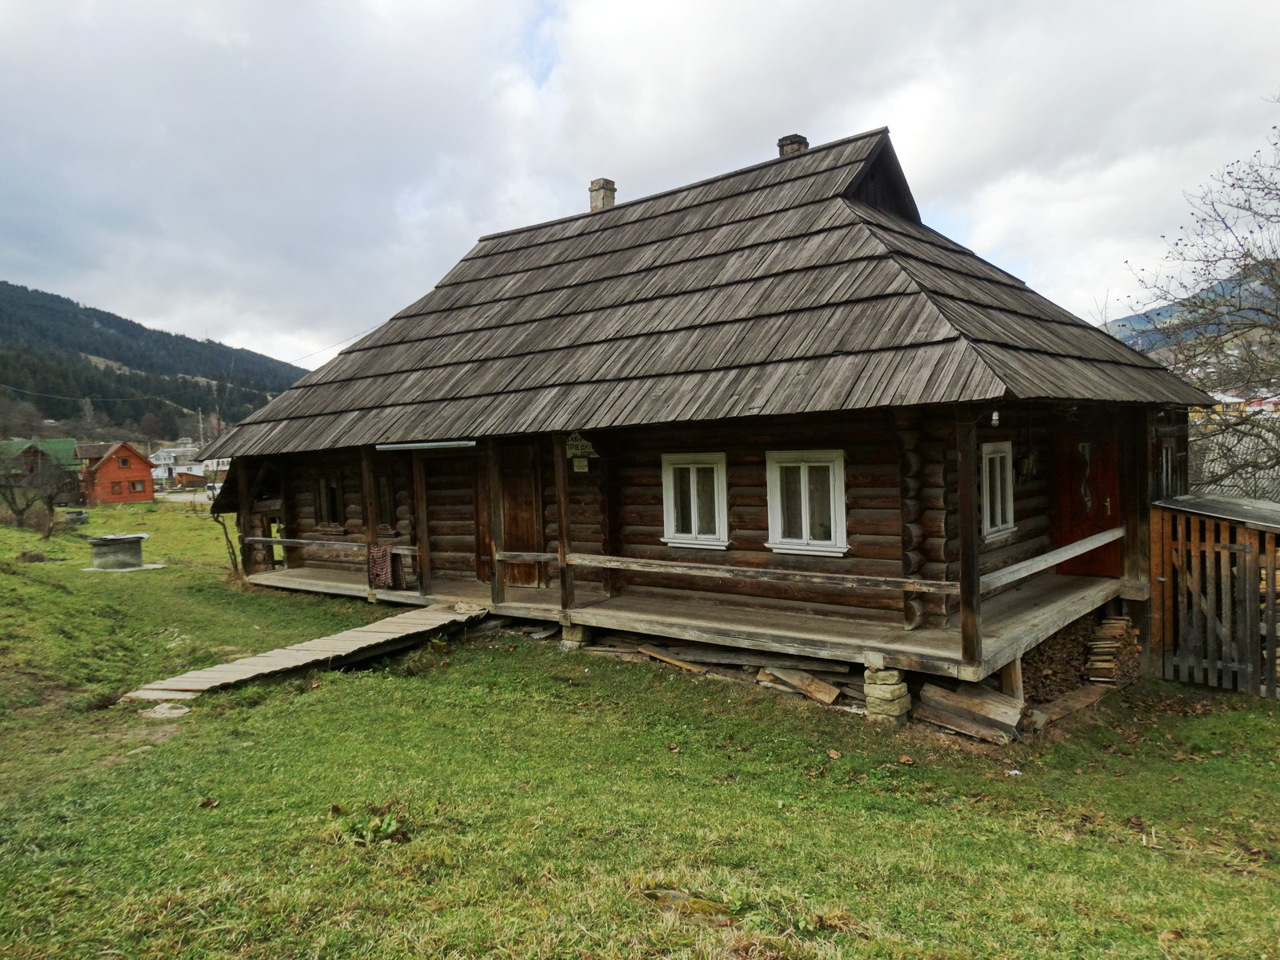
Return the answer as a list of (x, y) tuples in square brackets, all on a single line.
[(792, 144), (602, 192)]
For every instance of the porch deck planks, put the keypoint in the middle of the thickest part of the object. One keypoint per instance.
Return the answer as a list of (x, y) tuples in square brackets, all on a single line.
[(358, 643), (1013, 621)]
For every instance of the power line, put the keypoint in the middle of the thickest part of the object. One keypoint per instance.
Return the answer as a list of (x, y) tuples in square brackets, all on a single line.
[(355, 336), (54, 396)]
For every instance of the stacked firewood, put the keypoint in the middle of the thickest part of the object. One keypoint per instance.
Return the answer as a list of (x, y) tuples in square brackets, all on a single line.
[(1114, 653), (828, 682), (1057, 666)]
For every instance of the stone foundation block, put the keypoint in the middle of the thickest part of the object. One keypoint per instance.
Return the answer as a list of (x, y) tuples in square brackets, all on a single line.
[(573, 636), (886, 691), (889, 708), (880, 677)]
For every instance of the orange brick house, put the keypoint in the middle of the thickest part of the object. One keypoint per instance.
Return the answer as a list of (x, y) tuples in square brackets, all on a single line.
[(115, 473)]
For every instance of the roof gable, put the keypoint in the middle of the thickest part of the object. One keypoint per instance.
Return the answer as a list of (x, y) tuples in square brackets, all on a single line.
[(800, 285)]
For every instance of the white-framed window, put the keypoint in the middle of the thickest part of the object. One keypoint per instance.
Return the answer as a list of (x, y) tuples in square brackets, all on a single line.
[(806, 502), (695, 501), (997, 488)]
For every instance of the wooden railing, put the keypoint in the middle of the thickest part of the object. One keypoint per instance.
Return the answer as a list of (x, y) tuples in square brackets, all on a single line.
[(403, 550), (1027, 568)]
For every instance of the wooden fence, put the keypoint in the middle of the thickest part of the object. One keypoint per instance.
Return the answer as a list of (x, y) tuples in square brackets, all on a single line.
[(1213, 602)]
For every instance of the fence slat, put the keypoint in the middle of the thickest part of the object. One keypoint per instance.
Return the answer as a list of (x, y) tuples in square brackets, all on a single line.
[(1269, 568)]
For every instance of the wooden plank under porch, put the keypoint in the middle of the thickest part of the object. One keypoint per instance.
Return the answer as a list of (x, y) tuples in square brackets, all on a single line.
[(1012, 622)]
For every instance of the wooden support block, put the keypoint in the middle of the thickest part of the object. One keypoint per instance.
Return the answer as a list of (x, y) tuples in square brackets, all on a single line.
[(1078, 699), (959, 724), (976, 702), (662, 655), (808, 684)]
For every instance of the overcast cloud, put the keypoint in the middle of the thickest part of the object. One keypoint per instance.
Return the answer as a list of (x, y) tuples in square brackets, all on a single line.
[(285, 175)]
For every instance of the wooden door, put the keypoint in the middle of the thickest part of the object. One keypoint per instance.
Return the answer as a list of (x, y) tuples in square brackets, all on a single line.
[(521, 509), (1088, 499)]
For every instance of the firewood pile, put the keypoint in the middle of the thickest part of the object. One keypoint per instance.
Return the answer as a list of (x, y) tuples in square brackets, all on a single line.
[(830, 683), (1114, 653), (1057, 666)]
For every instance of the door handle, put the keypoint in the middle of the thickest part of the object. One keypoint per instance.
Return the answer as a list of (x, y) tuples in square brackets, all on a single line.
[(1107, 504)]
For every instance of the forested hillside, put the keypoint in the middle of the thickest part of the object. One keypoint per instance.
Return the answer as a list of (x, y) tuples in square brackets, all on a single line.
[(96, 371)]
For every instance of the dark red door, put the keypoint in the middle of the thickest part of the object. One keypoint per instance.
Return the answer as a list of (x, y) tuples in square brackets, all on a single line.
[(1088, 499), (521, 516)]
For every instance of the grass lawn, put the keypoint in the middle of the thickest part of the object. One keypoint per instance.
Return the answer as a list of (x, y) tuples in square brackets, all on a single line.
[(499, 798)]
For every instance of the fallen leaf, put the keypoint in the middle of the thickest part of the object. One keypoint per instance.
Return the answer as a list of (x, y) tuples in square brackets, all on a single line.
[(1167, 935), (316, 684), (673, 748), (834, 754), (335, 810), (905, 760), (209, 802)]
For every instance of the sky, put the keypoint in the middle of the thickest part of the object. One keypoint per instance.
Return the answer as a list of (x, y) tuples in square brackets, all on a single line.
[(285, 175)]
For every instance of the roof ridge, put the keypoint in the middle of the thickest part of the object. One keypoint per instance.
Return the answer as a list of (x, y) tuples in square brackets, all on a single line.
[(877, 132)]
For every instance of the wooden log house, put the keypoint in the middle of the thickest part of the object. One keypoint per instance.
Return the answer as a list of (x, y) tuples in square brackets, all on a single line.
[(768, 410)]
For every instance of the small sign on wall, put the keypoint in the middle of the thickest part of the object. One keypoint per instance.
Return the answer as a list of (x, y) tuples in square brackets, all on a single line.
[(579, 464), (575, 448)]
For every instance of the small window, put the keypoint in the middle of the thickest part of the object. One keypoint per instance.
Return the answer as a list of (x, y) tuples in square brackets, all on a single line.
[(115, 486), (329, 501), (386, 503), (124, 463), (138, 486), (806, 502), (997, 488), (695, 502)]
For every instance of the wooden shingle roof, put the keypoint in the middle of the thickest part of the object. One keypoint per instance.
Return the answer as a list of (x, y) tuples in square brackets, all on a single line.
[(805, 284)]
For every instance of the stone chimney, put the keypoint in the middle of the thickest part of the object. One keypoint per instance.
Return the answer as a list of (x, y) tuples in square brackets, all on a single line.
[(602, 192), (792, 144)]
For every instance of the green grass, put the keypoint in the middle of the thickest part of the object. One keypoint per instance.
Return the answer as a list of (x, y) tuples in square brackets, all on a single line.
[(546, 801)]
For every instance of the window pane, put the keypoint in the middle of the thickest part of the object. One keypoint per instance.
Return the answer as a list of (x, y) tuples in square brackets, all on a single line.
[(792, 503), (683, 499), (993, 492), (706, 501), (819, 502)]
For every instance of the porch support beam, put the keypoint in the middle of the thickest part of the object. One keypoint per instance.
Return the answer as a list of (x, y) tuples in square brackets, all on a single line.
[(498, 568), (563, 524), (970, 534), (244, 515), (421, 531), (369, 495)]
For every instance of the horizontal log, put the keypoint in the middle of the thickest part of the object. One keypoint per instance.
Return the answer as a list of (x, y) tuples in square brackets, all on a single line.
[(839, 580), (761, 558), (327, 544), (516, 556), (452, 545), (1027, 568)]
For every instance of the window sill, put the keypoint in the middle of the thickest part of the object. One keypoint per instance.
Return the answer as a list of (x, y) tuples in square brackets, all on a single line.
[(696, 544), (999, 537), (809, 549)]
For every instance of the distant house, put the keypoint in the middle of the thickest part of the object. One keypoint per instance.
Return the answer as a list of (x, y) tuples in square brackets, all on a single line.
[(769, 410), (174, 466), (30, 458), (114, 473)]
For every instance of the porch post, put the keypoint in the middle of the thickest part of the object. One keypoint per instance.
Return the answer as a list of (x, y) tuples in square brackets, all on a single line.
[(970, 534), (1135, 506), (498, 570), (563, 525), (244, 514), (369, 493), (610, 516), (421, 531)]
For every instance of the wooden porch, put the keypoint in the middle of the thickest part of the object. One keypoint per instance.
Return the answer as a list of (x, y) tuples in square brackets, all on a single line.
[(1013, 621)]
